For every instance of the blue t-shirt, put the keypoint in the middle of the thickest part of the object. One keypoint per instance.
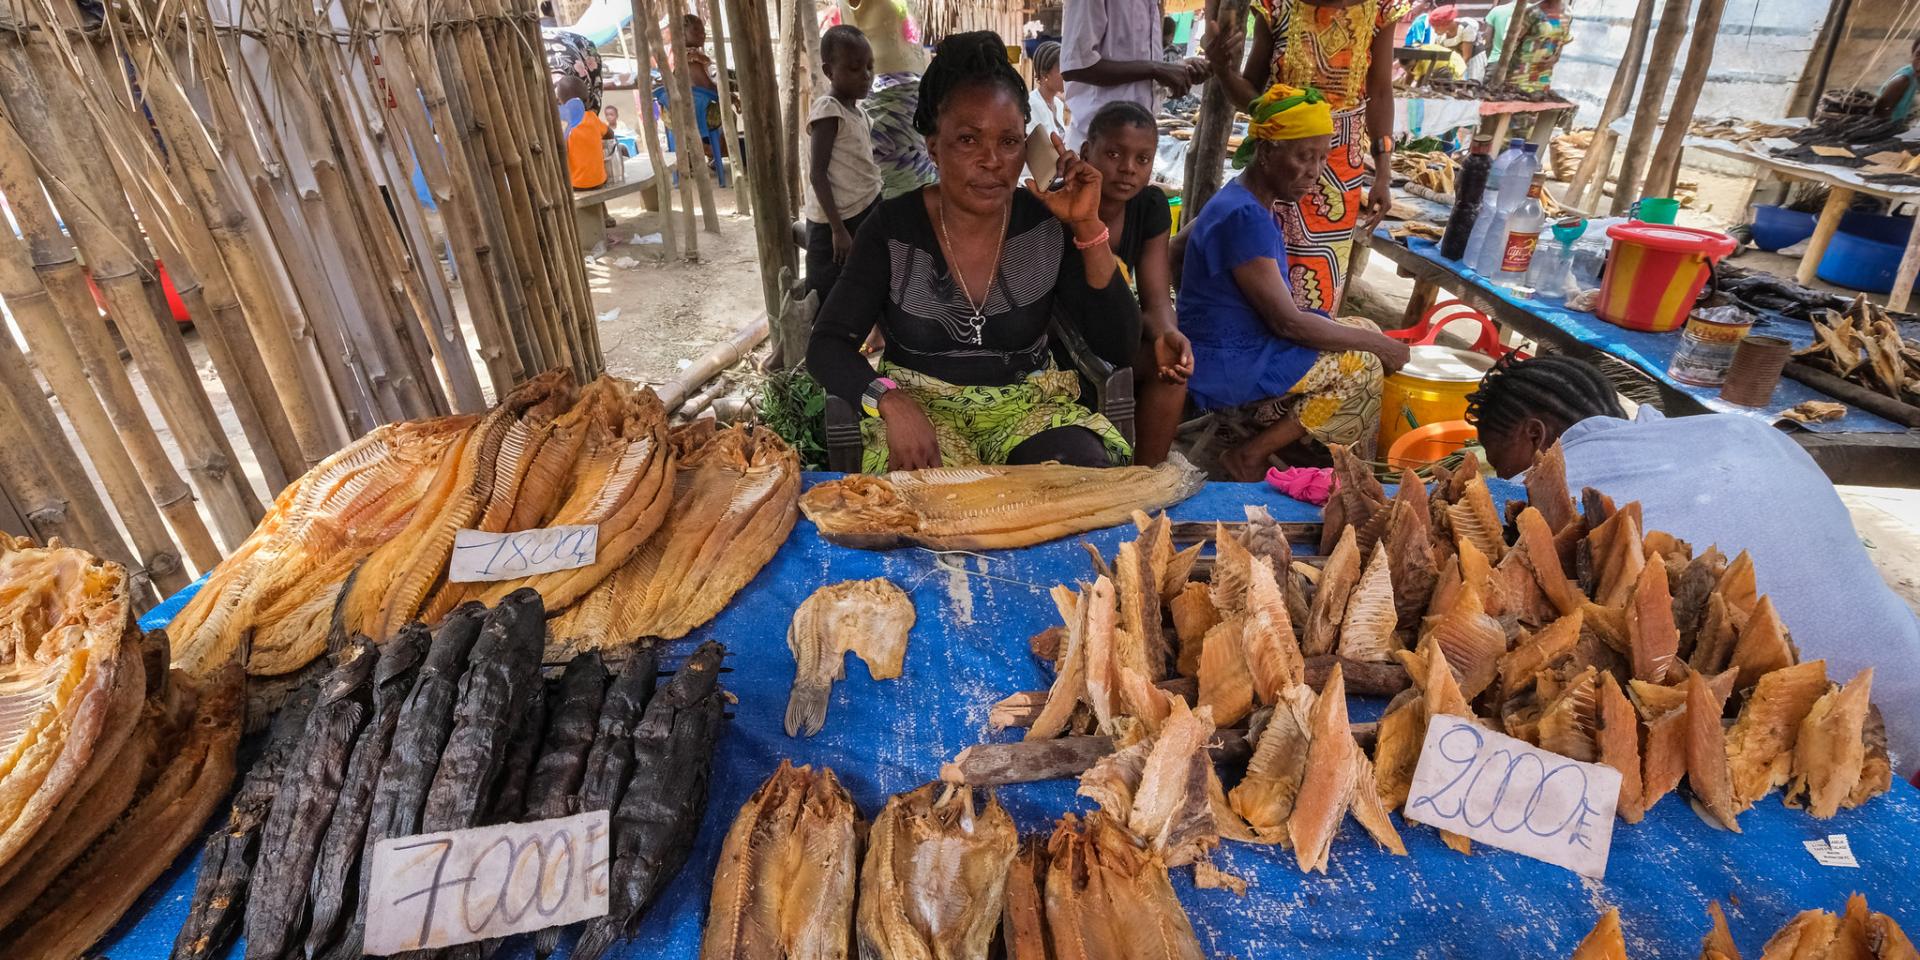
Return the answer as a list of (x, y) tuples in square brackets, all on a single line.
[(1237, 360)]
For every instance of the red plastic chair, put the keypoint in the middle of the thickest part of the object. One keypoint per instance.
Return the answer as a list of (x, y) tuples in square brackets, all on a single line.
[(1443, 314)]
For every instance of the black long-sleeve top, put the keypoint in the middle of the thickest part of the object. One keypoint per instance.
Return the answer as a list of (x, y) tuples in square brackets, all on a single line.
[(897, 277)]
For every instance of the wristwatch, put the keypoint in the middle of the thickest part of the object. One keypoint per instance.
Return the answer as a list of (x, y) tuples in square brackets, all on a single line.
[(1382, 145), (870, 397)]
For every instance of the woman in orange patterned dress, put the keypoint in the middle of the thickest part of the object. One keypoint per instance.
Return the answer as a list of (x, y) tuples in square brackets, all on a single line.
[(1344, 49)]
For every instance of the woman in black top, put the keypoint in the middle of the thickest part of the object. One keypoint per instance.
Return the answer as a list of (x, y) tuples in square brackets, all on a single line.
[(1122, 141), (963, 277)]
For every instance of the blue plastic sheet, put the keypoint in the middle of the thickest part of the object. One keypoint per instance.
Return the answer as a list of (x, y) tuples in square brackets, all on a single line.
[(969, 649), (1653, 352)]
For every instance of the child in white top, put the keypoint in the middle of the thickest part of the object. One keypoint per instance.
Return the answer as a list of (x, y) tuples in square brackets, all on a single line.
[(842, 176), (1043, 103)]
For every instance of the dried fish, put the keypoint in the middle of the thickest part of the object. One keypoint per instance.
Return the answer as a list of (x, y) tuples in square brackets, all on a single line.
[(1707, 770), (309, 789), (1366, 628), (609, 760), (557, 774), (1226, 681), (934, 876), (1718, 943), (1023, 925), (1617, 735), (870, 618), (1410, 555), (1193, 615), (1547, 488), (503, 672), (1653, 642), (1605, 941), (1337, 774), (1272, 654), (1105, 898), (1763, 646), (1337, 580), (1760, 744), (784, 886), (1831, 751), (1474, 520), (1473, 641)]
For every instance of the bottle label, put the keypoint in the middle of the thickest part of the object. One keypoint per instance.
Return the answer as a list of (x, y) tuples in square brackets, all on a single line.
[(1519, 253), (1534, 191)]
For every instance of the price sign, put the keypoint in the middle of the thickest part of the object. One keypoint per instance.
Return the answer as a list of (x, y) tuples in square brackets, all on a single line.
[(1513, 795), (459, 886), (479, 556)]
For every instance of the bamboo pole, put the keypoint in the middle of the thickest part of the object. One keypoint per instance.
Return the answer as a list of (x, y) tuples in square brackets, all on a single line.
[(759, 101), (647, 34), (723, 82), (1584, 192), (656, 156), (680, 81), (1207, 153), (1653, 93), (1664, 169)]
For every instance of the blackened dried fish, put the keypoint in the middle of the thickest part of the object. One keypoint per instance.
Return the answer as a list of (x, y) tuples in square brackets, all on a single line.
[(220, 892), (575, 715), (503, 673), (334, 884), (610, 758), (659, 812), (309, 788)]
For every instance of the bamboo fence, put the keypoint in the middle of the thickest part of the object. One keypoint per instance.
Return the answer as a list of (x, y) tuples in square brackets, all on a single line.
[(266, 153)]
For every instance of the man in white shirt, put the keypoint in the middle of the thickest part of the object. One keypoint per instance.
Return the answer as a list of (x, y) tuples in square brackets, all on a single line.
[(1727, 481), (1110, 50)]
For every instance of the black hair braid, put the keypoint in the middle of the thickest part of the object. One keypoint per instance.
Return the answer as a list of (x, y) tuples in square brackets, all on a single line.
[(963, 60), (1116, 114), (1554, 386), (1046, 56)]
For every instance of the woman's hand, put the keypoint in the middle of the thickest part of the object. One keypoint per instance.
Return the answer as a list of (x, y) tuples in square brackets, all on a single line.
[(842, 242), (1393, 354), (1173, 356), (1076, 202), (1379, 198), (1223, 45), (911, 444)]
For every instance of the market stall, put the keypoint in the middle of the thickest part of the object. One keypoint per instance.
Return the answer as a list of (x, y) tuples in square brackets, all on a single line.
[(968, 649)]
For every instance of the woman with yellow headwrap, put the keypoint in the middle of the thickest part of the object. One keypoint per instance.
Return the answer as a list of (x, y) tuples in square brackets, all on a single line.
[(1285, 374)]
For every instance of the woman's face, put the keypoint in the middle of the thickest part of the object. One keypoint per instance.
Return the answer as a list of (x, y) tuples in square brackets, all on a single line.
[(1052, 83), (1124, 156), (1293, 166), (979, 147)]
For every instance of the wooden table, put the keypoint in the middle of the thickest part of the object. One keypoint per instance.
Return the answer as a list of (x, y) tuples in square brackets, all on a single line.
[(1868, 458), (590, 206), (1843, 184)]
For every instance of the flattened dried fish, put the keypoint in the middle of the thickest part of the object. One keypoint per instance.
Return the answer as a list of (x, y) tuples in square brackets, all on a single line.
[(1273, 655), (1171, 810), (1760, 744), (1718, 943), (1226, 682), (1547, 488), (1105, 898), (784, 886), (1329, 607), (1707, 771), (870, 618), (934, 876), (1475, 521), (1473, 641), (1653, 642), (990, 508), (1763, 646), (1410, 554), (1193, 615), (557, 774), (1366, 628), (1023, 924), (1617, 734), (1831, 751), (1265, 797)]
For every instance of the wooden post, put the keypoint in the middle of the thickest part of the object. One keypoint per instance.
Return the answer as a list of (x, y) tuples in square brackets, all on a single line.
[(1664, 171), (795, 98), (760, 105), (1207, 152), (688, 154), (1839, 201), (729, 122), (650, 135), (682, 101), (1909, 269), (1598, 163), (1653, 93)]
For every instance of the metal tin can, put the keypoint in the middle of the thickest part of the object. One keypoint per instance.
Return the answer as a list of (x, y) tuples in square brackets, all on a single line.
[(1706, 348)]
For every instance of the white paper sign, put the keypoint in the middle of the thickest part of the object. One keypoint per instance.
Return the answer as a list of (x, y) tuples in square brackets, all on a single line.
[(478, 555), (459, 886), (1834, 851), (1513, 795)]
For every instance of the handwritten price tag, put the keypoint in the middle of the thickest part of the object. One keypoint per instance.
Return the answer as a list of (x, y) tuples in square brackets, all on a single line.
[(479, 556), (1513, 795), (459, 886)]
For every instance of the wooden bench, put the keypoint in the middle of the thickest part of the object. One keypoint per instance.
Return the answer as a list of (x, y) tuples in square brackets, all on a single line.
[(590, 206)]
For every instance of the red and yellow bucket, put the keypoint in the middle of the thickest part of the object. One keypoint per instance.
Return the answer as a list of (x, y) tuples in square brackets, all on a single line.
[(1656, 272)]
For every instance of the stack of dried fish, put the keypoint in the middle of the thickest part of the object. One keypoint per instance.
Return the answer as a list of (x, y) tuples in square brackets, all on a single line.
[(1859, 933), (361, 543), (1863, 345), (990, 508), (1432, 171), (1090, 891), (446, 728), (1568, 627), (112, 762)]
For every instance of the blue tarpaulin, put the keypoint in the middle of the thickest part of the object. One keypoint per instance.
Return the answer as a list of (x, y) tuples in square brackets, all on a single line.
[(969, 649)]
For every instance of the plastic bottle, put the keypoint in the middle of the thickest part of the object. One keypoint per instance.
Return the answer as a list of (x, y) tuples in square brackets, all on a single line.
[(1522, 237), (1515, 181), (1469, 195), (1490, 209)]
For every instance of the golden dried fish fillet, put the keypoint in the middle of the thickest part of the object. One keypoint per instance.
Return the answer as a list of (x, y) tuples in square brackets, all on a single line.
[(1326, 792), (1410, 554), (1473, 641), (1763, 646), (1718, 943), (1273, 655), (1366, 628), (1854, 938), (991, 508), (1664, 758), (1831, 750), (1226, 682), (1719, 632), (1069, 688), (1807, 936), (1023, 923), (1114, 779), (1617, 736), (1737, 585), (1193, 615), (1543, 558), (869, 618), (1475, 521), (1106, 899), (1137, 587), (1569, 724), (1605, 941), (1760, 744), (1876, 771), (1532, 654), (1707, 770), (1264, 798), (1337, 579), (1232, 570), (1366, 805), (934, 876), (1396, 747), (1618, 556), (1653, 641), (1171, 810), (784, 886), (1547, 488)]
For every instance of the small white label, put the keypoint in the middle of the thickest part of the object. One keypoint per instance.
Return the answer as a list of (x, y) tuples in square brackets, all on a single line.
[(479, 556), (1834, 851), (1513, 795), (439, 889)]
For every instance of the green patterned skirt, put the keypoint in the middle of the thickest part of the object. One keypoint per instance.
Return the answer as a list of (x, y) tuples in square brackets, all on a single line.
[(982, 425)]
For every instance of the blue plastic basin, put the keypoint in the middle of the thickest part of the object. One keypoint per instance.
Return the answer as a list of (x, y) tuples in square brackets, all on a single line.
[(1776, 227), (1865, 254)]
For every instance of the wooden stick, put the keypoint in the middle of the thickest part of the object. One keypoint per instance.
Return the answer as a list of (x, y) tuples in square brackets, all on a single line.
[(729, 122), (1653, 93), (1207, 151), (1584, 192), (1839, 201), (1664, 170), (793, 98), (1061, 758), (760, 105), (1904, 277), (687, 140), (718, 359), (1904, 414)]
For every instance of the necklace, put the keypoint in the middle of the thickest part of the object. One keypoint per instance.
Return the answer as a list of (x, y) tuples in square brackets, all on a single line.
[(977, 321)]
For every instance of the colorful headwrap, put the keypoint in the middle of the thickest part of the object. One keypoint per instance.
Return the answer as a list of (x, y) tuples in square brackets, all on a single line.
[(1443, 16), (1284, 113)]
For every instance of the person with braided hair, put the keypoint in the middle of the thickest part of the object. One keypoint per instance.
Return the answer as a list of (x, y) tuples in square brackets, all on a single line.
[(1727, 481), (965, 277)]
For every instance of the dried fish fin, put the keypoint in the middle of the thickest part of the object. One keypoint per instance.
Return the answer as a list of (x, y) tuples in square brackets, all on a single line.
[(1605, 941), (1337, 580), (1366, 628)]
